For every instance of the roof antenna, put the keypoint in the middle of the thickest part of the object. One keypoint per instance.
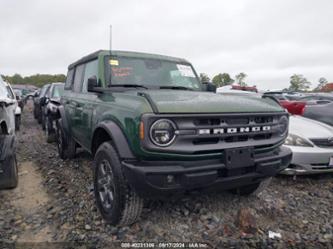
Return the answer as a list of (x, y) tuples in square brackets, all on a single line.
[(110, 44), (110, 38)]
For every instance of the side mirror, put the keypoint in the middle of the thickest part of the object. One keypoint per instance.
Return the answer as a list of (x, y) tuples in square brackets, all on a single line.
[(209, 87), (17, 97), (92, 83)]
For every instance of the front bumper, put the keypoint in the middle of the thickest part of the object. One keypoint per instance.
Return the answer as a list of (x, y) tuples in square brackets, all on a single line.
[(309, 160), (158, 179)]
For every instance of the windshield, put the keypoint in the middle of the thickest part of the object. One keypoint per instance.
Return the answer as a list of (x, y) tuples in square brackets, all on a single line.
[(43, 91), (152, 73), (57, 91)]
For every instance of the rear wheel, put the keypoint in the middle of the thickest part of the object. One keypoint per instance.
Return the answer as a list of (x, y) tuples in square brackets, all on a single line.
[(65, 143), (17, 122), (43, 121), (117, 202), (49, 131), (35, 112)]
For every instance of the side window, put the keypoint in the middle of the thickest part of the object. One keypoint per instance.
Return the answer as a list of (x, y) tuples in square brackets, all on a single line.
[(47, 93), (91, 69), (69, 79), (78, 77)]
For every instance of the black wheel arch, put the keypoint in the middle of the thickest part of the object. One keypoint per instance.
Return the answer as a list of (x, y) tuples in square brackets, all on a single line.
[(109, 130)]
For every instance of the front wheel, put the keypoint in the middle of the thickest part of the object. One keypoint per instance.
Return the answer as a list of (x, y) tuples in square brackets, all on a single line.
[(117, 202)]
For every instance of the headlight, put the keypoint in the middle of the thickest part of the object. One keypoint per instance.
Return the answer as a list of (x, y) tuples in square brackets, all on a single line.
[(283, 126), (162, 132), (295, 140)]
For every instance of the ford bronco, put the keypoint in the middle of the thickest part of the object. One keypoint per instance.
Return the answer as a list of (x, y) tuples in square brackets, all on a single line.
[(156, 131)]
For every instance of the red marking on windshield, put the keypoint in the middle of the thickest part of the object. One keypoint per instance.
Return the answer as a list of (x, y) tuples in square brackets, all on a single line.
[(122, 71)]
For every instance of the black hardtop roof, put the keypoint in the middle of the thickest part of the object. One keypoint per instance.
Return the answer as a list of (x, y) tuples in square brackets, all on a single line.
[(94, 55)]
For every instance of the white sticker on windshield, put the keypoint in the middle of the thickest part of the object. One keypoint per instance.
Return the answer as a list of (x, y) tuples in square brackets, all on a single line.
[(185, 70)]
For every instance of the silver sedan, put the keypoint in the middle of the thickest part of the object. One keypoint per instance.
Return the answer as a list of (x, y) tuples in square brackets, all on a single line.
[(312, 145)]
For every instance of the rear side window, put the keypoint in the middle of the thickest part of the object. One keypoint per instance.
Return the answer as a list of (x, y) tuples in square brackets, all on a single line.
[(69, 79), (78, 78), (91, 70)]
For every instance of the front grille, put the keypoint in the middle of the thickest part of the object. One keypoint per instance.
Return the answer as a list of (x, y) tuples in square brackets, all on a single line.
[(212, 133), (239, 126), (323, 142)]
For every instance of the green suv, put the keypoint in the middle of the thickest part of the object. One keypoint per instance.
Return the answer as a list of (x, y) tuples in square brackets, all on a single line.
[(156, 131)]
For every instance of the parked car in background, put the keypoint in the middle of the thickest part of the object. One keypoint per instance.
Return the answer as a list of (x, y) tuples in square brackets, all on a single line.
[(19, 98), (312, 145), (237, 88), (289, 95), (293, 106), (50, 109), (320, 112), (37, 103), (319, 98), (8, 164), (18, 110)]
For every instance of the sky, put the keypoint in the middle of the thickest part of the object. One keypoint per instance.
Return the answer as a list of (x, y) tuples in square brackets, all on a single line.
[(269, 40)]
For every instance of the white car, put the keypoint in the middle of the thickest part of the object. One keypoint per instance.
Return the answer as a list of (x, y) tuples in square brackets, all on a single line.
[(18, 110), (312, 145)]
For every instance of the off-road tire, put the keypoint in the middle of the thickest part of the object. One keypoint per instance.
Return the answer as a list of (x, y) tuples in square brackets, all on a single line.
[(65, 143), (39, 118), (10, 174), (43, 121), (17, 122), (253, 189), (49, 131), (127, 205)]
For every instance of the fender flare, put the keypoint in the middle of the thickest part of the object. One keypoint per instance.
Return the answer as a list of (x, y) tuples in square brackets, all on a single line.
[(116, 134), (63, 118)]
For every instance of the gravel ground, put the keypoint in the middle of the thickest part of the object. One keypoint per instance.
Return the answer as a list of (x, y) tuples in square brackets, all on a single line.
[(54, 202)]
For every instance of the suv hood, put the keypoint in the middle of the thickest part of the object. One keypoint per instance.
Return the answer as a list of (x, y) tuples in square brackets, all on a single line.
[(177, 101)]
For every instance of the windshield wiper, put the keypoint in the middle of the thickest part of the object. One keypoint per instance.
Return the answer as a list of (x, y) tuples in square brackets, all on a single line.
[(176, 88), (128, 85)]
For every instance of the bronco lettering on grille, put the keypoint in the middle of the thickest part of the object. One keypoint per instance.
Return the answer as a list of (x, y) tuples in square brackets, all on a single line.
[(233, 130)]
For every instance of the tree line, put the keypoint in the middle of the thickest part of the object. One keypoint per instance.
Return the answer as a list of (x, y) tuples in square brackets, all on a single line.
[(224, 79), (37, 80), (297, 81)]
